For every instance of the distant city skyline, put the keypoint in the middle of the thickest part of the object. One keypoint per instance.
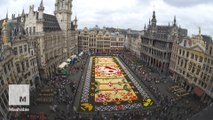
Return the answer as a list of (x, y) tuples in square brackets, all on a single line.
[(134, 14)]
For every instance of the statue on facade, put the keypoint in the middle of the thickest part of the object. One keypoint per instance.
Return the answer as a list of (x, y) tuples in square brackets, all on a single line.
[(4, 32)]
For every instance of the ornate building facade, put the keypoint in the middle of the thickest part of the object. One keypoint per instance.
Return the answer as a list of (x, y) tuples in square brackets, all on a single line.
[(133, 42), (100, 41), (191, 65), (54, 37), (156, 44), (18, 63), (32, 46)]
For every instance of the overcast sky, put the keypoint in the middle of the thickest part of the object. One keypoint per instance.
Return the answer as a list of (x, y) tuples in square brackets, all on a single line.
[(128, 13)]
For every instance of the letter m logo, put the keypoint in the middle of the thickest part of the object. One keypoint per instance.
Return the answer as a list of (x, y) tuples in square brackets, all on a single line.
[(19, 94)]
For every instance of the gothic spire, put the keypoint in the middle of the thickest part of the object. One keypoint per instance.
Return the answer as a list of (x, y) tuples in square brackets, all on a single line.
[(175, 21), (199, 31), (7, 15), (22, 14), (153, 16), (154, 21), (41, 7), (149, 21), (41, 4), (76, 18)]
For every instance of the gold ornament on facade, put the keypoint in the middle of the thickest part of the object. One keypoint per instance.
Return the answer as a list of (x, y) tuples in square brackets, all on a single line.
[(4, 26)]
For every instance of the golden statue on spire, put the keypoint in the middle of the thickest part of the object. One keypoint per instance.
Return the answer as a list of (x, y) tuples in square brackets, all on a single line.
[(4, 35), (4, 24)]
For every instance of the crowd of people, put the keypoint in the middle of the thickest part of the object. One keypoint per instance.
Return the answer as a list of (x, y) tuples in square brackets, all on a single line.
[(167, 107)]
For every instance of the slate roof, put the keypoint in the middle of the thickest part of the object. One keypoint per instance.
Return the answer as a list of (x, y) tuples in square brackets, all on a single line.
[(50, 23)]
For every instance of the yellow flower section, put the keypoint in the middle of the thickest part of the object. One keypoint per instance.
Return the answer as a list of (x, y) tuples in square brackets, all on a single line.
[(112, 86)]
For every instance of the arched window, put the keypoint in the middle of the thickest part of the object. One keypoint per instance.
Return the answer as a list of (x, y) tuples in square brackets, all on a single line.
[(210, 51)]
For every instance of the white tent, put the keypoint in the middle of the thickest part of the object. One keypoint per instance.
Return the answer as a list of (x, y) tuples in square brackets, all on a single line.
[(62, 65), (80, 54), (73, 56), (68, 60)]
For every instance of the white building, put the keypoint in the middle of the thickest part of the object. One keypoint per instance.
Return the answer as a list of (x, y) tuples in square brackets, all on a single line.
[(133, 42)]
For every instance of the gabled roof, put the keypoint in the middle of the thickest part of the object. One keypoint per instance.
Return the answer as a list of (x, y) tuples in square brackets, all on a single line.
[(198, 47)]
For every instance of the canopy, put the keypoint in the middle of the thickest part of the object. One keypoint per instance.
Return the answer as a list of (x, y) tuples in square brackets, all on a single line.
[(62, 65), (68, 60), (80, 54), (73, 56)]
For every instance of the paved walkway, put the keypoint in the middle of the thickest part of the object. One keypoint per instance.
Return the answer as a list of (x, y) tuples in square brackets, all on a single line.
[(66, 109)]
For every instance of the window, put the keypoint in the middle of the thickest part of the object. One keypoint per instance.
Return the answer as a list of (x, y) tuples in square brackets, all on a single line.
[(190, 66), (192, 56), (205, 59), (5, 69), (181, 64), (18, 68), (204, 66), (23, 68), (198, 70), (201, 59), (210, 69), (27, 30), (25, 48), (33, 30), (195, 80), (20, 50), (2, 81), (27, 63), (185, 63), (180, 51), (187, 54), (30, 30), (196, 57), (193, 69), (9, 66), (15, 50)]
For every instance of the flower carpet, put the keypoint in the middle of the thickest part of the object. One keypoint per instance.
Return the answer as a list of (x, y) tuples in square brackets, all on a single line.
[(109, 86)]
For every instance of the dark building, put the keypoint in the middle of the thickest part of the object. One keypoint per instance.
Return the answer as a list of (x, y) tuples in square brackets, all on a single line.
[(157, 43)]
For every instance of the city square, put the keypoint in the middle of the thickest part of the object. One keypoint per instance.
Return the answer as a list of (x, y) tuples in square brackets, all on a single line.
[(106, 60), (110, 87)]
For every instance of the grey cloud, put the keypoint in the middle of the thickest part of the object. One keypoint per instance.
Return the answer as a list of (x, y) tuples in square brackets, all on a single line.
[(187, 3)]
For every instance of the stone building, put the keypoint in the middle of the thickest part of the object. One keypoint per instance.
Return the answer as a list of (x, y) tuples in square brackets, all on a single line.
[(8, 75), (32, 46), (54, 37), (100, 41), (8, 70), (191, 65), (18, 63), (133, 42), (157, 43)]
